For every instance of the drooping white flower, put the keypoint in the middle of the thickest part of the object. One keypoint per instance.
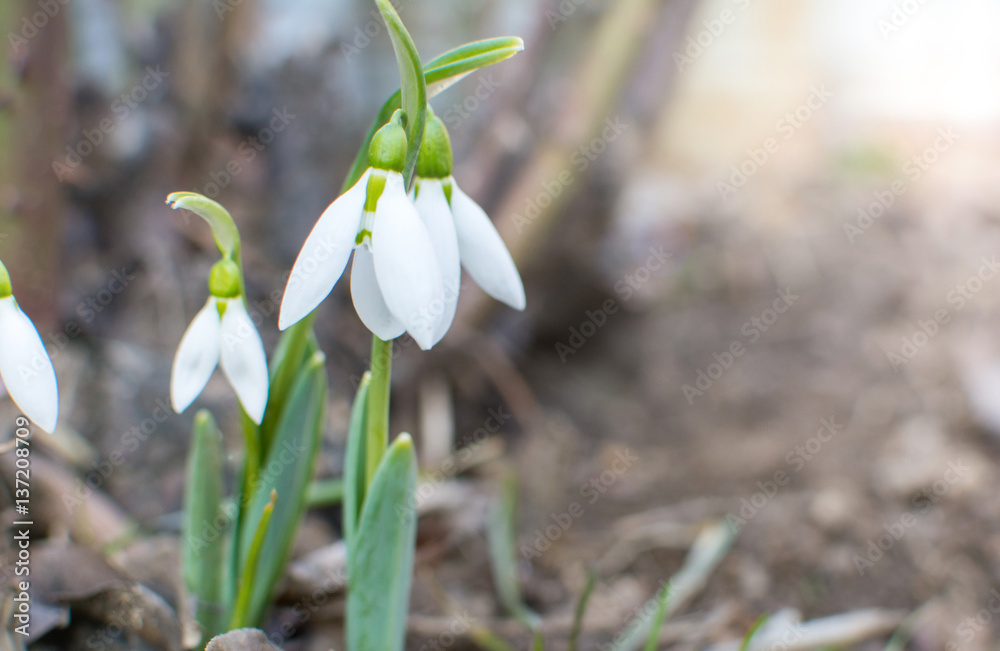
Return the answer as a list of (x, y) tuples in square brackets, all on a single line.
[(395, 278), (222, 332), (462, 233), (24, 364)]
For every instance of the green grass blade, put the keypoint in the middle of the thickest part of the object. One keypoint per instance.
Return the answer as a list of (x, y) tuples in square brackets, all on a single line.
[(581, 610), (706, 553), (204, 541), (745, 645), (248, 579), (355, 462), (380, 565), (288, 469), (653, 640), (503, 554)]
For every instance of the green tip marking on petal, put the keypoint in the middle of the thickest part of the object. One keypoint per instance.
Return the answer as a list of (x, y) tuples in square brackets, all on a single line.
[(376, 184), (225, 281), (435, 158), (227, 236), (5, 288)]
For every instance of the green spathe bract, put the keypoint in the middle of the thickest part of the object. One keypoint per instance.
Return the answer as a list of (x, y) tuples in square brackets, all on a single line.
[(439, 74), (227, 237)]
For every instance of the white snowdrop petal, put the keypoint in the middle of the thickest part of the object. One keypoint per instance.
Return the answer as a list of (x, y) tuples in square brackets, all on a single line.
[(197, 356), (26, 368), (324, 255), (405, 264), (368, 300), (243, 359), (483, 253), (434, 211)]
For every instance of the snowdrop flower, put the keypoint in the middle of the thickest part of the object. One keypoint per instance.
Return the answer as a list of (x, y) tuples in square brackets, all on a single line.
[(222, 331), (395, 276), (462, 233), (24, 365)]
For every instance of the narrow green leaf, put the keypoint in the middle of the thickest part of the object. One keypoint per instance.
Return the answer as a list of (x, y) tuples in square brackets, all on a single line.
[(288, 469), (355, 462), (451, 67), (327, 492), (439, 74), (227, 237), (412, 85), (745, 645), (503, 554), (204, 542), (248, 579), (706, 553), (380, 565), (653, 641), (581, 610)]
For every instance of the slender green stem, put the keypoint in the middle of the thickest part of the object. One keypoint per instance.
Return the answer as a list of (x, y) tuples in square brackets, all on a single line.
[(242, 609), (251, 437), (377, 438)]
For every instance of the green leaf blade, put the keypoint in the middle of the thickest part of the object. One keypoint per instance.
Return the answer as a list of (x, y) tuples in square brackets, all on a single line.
[(381, 569), (355, 462), (204, 538), (288, 469)]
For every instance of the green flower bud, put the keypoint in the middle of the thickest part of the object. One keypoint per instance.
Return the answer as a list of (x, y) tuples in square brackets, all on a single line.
[(5, 288), (388, 148), (225, 281), (435, 160)]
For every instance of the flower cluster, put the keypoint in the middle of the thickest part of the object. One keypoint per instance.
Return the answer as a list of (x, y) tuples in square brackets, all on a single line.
[(408, 249), (408, 252)]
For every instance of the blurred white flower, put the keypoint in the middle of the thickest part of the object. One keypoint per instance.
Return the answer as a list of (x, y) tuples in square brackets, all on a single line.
[(222, 330), (24, 365), (395, 279)]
